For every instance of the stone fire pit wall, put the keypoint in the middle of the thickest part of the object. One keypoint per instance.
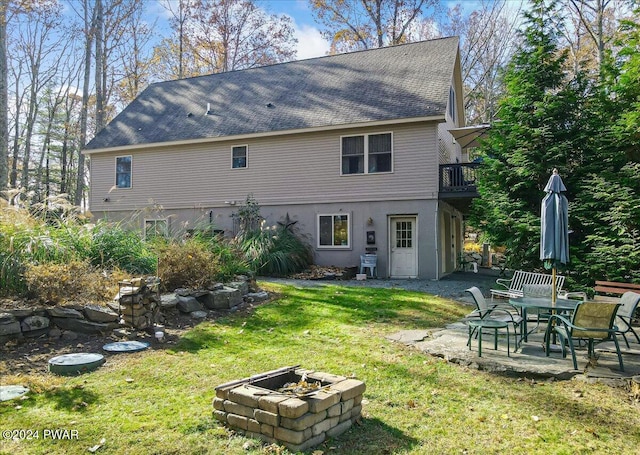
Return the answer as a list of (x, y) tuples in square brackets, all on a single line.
[(297, 423)]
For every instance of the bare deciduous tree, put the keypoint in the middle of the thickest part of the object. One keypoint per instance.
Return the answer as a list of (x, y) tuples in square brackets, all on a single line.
[(590, 29), (133, 57), (363, 24), (487, 40), (4, 98), (38, 44), (179, 14), (224, 35)]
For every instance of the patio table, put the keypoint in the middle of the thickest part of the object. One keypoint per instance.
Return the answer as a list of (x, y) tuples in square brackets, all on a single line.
[(539, 303)]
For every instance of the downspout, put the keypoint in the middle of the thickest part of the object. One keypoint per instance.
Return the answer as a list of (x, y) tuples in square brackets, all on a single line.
[(436, 224)]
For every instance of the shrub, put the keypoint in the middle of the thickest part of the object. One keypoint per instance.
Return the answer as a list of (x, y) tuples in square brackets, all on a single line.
[(27, 239), (230, 260), (189, 264), (73, 281), (276, 251), (114, 247), (472, 247)]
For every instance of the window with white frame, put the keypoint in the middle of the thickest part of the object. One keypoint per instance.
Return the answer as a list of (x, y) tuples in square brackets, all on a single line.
[(239, 156), (123, 171), (334, 231), (156, 228), (367, 153)]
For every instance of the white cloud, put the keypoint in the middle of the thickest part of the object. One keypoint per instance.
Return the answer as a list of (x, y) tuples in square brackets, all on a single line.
[(310, 42)]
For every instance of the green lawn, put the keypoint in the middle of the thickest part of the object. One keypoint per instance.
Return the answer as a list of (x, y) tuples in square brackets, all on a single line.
[(160, 401)]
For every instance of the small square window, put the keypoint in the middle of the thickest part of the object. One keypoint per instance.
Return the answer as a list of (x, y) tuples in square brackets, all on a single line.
[(123, 171), (239, 156)]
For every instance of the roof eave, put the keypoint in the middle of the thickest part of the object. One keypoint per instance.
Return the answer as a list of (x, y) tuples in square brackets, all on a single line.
[(431, 118)]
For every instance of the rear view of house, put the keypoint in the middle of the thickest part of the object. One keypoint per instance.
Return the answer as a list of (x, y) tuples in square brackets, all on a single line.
[(357, 148)]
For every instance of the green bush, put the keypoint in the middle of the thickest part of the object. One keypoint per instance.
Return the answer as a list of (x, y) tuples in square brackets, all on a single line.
[(230, 260), (51, 253), (115, 247), (11, 274), (276, 251)]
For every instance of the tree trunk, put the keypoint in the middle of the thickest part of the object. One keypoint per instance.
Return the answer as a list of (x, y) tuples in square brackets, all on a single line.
[(88, 30), (4, 99), (99, 67), (32, 115), (13, 178), (45, 153)]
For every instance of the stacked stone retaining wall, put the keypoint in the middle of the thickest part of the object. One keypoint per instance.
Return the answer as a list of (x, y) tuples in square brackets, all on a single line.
[(128, 309)]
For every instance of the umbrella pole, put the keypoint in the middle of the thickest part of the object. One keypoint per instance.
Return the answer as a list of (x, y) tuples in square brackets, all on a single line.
[(553, 286), (553, 300)]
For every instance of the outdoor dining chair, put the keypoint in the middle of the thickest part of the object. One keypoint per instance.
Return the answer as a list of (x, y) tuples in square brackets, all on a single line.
[(628, 305), (498, 312), (591, 321)]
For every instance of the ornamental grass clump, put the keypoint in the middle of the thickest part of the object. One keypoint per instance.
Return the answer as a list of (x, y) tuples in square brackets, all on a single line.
[(31, 235), (276, 251), (270, 250), (114, 247)]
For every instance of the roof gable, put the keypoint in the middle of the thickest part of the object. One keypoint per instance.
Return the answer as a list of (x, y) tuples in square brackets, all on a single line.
[(398, 82)]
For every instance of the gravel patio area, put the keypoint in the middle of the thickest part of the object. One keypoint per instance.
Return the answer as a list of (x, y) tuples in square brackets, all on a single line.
[(451, 286)]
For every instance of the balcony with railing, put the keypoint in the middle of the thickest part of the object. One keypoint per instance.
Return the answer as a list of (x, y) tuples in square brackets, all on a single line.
[(458, 184)]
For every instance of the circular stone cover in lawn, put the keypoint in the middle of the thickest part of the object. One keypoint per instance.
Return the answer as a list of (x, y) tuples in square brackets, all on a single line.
[(126, 346), (69, 364), (9, 392)]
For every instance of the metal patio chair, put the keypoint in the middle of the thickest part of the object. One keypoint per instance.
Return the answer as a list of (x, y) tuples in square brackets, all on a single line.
[(502, 312), (591, 322), (628, 305)]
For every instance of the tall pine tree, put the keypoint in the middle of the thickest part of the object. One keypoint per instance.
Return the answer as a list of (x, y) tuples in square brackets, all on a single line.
[(607, 206), (538, 129)]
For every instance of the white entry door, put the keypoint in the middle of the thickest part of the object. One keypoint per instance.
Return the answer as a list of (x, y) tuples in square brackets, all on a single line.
[(404, 247)]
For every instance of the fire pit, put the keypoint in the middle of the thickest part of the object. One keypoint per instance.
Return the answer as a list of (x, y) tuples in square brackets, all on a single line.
[(295, 407)]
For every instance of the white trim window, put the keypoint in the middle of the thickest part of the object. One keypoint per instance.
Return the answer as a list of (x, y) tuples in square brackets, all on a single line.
[(123, 171), (239, 156), (156, 228), (334, 230), (366, 153)]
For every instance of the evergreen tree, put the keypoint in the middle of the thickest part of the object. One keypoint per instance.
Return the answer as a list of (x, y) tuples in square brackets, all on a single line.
[(607, 207), (539, 128)]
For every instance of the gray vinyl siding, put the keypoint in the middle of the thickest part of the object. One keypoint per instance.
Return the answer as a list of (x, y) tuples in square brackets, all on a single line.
[(306, 215), (283, 170)]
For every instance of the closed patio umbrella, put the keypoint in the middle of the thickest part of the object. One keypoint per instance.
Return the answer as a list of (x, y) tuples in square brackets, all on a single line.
[(554, 228)]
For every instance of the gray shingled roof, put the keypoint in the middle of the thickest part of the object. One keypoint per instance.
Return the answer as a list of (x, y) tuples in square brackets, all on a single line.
[(398, 82)]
